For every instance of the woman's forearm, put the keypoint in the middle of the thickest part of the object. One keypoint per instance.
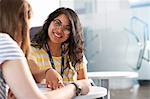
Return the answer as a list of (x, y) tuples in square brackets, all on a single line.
[(82, 74), (22, 83), (69, 89), (38, 75)]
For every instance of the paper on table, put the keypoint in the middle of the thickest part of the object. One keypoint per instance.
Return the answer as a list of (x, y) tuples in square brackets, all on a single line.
[(95, 92)]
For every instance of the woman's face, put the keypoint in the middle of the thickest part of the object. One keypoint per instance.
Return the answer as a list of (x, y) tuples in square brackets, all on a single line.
[(59, 29)]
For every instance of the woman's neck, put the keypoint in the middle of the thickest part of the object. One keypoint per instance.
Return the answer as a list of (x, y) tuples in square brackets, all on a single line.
[(55, 49)]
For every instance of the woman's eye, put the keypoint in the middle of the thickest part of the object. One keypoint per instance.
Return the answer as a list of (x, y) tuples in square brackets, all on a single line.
[(58, 23)]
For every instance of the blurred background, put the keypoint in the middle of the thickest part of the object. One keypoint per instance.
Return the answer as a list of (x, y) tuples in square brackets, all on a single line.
[(117, 38)]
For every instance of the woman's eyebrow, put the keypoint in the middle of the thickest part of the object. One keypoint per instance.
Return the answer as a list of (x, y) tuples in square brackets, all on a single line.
[(68, 25)]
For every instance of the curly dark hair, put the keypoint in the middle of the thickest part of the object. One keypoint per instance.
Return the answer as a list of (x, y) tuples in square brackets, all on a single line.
[(75, 41)]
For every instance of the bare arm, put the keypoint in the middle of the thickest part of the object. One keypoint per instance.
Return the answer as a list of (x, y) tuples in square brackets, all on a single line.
[(38, 75), (53, 78), (70, 89), (82, 73), (19, 78)]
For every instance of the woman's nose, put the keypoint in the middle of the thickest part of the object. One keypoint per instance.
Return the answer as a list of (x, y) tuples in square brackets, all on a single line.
[(60, 29)]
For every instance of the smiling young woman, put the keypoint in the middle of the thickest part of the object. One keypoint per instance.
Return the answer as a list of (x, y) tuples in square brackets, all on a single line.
[(57, 51)]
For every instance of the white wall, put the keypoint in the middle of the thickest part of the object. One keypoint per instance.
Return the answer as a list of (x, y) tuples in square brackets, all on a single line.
[(41, 9), (108, 45)]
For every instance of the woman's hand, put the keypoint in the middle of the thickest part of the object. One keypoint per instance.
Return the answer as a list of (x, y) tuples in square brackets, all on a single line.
[(85, 86), (53, 79)]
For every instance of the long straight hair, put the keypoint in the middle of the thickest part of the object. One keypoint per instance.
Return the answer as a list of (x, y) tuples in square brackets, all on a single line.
[(14, 17)]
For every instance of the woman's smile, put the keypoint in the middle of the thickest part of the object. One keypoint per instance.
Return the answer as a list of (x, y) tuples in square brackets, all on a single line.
[(57, 35)]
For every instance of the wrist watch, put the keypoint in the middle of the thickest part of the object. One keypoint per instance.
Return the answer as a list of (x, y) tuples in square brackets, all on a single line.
[(78, 88)]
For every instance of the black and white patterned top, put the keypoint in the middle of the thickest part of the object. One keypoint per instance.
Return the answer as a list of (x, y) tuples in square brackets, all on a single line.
[(9, 50)]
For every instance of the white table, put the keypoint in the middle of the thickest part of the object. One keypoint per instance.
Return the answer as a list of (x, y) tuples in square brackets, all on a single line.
[(105, 76), (95, 92)]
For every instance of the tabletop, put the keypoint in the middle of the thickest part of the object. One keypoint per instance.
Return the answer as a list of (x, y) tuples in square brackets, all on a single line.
[(95, 92), (105, 76), (112, 74)]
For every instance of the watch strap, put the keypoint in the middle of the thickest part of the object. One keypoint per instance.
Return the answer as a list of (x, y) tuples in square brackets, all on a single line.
[(78, 88)]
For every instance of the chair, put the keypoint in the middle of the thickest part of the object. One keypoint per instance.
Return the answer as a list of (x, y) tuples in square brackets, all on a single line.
[(34, 30)]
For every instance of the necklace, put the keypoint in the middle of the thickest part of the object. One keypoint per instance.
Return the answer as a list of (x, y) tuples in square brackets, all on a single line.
[(52, 61)]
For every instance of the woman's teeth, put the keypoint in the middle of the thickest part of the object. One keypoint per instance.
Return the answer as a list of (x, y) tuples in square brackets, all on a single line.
[(57, 35)]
